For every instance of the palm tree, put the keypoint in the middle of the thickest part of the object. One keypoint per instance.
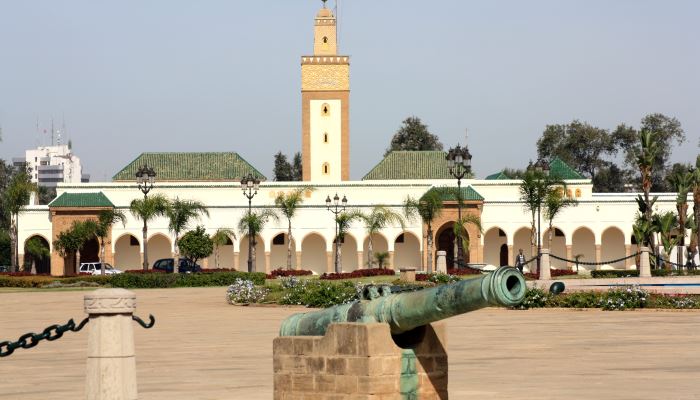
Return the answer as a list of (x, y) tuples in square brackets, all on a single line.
[(147, 209), (681, 183), (69, 242), (37, 251), (533, 191), (253, 223), (645, 162), (379, 218), (555, 202), (428, 207), (288, 205), (344, 220), (105, 220), (642, 231), (220, 238), (180, 213), (664, 224), (15, 198), (460, 229), (696, 201)]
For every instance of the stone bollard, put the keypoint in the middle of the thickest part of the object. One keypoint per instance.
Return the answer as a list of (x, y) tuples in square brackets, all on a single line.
[(111, 362), (361, 361), (407, 274), (544, 265), (441, 264), (644, 266)]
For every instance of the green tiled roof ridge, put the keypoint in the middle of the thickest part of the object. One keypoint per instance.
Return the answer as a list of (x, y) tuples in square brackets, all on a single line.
[(468, 194), (83, 199), (405, 164), (559, 169), (191, 166), (496, 176)]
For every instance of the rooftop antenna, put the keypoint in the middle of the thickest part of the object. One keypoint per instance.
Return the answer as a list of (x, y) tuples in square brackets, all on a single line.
[(52, 132)]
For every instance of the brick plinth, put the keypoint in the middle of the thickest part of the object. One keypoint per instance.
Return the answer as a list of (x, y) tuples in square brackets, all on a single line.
[(360, 361)]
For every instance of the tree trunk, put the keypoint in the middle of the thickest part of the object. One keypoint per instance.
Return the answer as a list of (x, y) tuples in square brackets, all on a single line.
[(370, 251), (216, 257), (14, 242), (549, 239), (289, 245), (145, 246), (253, 258), (76, 267), (176, 258), (430, 249), (102, 257)]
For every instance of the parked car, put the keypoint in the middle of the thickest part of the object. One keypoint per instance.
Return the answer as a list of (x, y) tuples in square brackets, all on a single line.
[(95, 268), (185, 266)]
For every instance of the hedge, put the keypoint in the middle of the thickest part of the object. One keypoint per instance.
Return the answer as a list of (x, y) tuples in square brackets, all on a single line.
[(37, 281), (614, 273), (359, 273)]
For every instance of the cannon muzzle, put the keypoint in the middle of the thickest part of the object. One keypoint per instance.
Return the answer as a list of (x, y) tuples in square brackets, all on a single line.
[(406, 311)]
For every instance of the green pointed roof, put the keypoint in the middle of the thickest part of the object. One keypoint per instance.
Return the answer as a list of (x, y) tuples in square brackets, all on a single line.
[(468, 194), (223, 166), (561, 170), (97, 199), (411, 165), (497, 176)]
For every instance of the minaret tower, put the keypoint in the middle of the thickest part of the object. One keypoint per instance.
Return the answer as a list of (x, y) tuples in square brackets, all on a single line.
[(325, 94)]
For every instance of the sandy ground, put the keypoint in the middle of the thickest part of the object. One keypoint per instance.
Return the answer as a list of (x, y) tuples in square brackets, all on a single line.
[(203, 348)]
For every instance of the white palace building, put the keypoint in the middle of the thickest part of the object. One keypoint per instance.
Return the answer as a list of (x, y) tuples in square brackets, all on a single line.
[(599, 228)]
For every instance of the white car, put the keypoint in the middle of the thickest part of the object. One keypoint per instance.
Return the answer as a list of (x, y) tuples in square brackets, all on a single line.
[(95, 268)]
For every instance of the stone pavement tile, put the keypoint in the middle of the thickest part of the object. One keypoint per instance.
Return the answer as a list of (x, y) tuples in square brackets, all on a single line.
[(203, 348)]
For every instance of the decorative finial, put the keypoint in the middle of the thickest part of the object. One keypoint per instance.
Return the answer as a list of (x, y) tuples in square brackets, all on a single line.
[(324, 3)]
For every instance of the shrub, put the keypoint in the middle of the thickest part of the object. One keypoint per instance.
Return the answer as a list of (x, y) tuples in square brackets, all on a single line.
[(288, 272), (630, 297), (161, 280), (438, 278), (574, 300), (534, 298), (674, 301), (360, 273), (464, 271), (314, 293), (245, 292), (142, 271), (553, 272), (615, 273)]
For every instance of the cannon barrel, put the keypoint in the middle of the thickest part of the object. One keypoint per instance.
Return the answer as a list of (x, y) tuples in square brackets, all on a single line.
[(406, 311)]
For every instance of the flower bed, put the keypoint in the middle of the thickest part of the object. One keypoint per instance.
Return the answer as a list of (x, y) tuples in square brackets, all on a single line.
[(162, 280), (553, 272), (360, 273), (315, 293), (617, 299), (279, 272), (244, 291)]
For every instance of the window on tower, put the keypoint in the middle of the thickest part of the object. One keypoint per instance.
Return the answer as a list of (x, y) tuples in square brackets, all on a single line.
[(325, 138), (325, 40), (325, 110), (326, 169)]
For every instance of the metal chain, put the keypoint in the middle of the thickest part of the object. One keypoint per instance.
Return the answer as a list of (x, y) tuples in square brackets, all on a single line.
[(31, 339), (595, 263)]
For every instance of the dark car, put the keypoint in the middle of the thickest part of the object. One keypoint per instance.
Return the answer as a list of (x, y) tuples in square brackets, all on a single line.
[(185, 267)]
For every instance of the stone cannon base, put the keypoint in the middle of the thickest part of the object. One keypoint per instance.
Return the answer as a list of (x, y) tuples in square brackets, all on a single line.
[(362, 361)]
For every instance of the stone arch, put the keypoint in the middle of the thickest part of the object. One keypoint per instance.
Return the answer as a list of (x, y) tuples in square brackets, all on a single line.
[(127, 252), (407, 251), (37, 265), (222, 256), (612, 246), (379, 244), (521, 240), (558, 247), (494, 239), (313, 253), (444, 240), (348, 254), (159, 246), (260, 264), (278, 251), (583, 242)]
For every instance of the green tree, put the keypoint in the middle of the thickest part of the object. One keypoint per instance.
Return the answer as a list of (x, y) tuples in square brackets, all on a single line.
[(555, 202), (179, 214), (664, 224), (297, 167), (459, 229), (220, 238), (46, 194), (646, 155), (37, 250), (196, 244), (105, 220), (578, 144), (283, 169), (428, 207), (382, 258), (343, 220), (69, 242), (609, 179), (666, 130), (288, 205), (15, 198), (253, 223), (696, 201), (681, 181), (413, 135), (379, 218), (146, 210)]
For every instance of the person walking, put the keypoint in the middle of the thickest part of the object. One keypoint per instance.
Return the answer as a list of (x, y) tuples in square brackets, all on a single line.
[(520, 260)]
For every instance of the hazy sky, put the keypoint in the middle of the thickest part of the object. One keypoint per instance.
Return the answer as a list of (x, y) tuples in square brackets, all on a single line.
[(135, 76)]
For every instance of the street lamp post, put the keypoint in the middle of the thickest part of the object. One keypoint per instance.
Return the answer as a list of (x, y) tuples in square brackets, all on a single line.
[(250, 186), (541, 168), (336, 208), (459, 162), (145, 179)]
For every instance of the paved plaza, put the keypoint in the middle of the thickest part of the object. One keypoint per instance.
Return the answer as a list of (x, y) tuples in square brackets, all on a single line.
[(203, 348)]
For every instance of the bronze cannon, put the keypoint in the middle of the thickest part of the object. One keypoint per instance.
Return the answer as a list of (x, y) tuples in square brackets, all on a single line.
[(407, 311)]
